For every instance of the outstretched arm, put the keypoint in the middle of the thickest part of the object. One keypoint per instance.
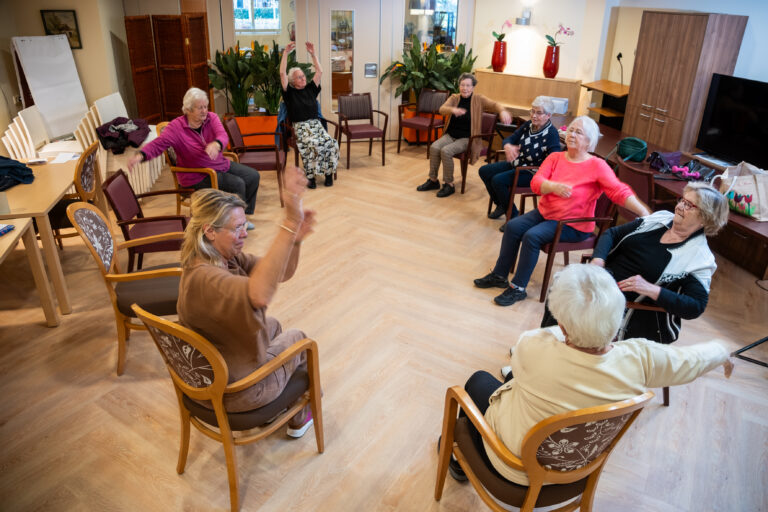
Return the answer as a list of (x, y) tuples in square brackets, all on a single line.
[(316, 63), (284, 65)]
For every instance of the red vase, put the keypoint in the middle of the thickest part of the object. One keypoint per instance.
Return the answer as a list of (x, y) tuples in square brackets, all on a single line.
[(499, 58), (552, 61)]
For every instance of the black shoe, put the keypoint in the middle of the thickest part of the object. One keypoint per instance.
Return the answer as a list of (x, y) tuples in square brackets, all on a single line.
[(329, 180), (446, 190), (501, 228), (454, 468), (311, 183), (510, 296), (428, 185), (492, 281), (498, 212)]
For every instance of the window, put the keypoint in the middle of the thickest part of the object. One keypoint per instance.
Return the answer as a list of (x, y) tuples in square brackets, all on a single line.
[(432, 21), (257, 15)]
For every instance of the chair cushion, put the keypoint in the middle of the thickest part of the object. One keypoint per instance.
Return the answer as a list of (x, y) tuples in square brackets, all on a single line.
[(246, 420), (158, 295), (588, 243), (262, 160), (158, 227), (362, 131), (420, 123), (504, 490)]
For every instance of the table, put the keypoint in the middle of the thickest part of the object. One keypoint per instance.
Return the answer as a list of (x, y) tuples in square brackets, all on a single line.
[(613, 104), (8, 242), (35, 200)]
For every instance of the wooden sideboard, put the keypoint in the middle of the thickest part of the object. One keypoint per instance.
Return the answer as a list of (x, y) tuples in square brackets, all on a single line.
[(516, 92)]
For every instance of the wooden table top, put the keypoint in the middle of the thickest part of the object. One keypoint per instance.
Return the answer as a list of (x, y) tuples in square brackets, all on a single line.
[(37, 198), (8, 240), (607, 87)]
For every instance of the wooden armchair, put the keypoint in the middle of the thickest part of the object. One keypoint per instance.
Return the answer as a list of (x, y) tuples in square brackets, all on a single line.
[(644, 186), (358, 107), (429, 103), (156, 289), (572, 474), (199, 372), (525, 192), (487, 126)]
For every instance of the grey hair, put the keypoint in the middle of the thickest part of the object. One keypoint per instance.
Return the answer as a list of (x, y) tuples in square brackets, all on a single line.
[(545, 104), (192, 96), (713, 206), (210, 207), (292, 73), (588, 304), (470, 76), (590, 128)]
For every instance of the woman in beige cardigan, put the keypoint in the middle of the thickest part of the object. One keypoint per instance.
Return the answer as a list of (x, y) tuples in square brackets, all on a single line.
[(463, 113)]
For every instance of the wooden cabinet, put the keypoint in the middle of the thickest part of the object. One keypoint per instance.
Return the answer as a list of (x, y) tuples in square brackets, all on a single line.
[(676, 56)]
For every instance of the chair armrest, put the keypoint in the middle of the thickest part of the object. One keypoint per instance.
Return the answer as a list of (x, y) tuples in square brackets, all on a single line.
[(143, 274), (308, 345), (136, 242), (229, 155), (386, 116), (334, 123), (199, 170), (144, 220), (161, 192), (645, 307), (460, 396), (402, 106)]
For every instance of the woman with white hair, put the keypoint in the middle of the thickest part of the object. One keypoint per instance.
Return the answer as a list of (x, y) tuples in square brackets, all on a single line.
[(529, 145), (319, 151), (577, 364), (198, 138), (569, 184)]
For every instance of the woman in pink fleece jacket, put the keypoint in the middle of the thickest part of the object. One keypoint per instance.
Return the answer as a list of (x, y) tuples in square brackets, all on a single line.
[(569, 184), (198, 139)]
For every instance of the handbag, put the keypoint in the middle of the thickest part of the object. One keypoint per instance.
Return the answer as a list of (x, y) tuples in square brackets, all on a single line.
[(746, 188), (663, 162), (630, 148)]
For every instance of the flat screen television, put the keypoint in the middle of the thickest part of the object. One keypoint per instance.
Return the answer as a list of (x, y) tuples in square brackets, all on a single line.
[(734, 126)]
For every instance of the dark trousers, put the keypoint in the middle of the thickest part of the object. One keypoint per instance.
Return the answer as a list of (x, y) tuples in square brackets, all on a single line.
[(480, 387), (498, 177), (239, 179)]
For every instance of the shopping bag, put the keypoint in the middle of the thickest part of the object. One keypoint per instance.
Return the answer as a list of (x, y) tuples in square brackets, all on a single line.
[(746, 188)]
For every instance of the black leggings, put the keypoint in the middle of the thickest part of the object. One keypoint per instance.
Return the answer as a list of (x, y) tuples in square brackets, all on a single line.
[(480, 387)]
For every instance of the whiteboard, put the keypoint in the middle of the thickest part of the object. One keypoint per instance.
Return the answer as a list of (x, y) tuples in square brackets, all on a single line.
[(49, 68)]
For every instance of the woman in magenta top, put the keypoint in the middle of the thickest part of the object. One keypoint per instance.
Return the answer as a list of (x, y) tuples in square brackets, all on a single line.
[(198, 139), (569, 184)]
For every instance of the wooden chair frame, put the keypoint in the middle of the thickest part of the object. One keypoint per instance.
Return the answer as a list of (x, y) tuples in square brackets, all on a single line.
[(525, 192), (344, 124), (463, 157), (654, 204), (434, 124), (112, 275), (538, 475), (219, 387)]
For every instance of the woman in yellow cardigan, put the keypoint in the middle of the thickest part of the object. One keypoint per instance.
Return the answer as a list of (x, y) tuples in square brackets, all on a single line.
[(463, 113)]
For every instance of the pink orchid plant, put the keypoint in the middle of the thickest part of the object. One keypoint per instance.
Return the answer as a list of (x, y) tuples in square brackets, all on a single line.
[(566, 31), (501, 34)]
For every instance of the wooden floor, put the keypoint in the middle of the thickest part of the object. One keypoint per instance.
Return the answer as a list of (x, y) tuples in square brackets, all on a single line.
[(385, 287)]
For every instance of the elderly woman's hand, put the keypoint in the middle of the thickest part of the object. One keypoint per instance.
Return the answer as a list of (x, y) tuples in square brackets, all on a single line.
[(135, 159), (212, 150), (511, 151), (295, 184), (728, 368), (505, 117), (640, 286), (310, 48), (307, 225), (554, 187), (289, 47)]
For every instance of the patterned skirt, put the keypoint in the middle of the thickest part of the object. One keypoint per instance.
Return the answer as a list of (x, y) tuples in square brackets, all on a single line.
[(319, 151)]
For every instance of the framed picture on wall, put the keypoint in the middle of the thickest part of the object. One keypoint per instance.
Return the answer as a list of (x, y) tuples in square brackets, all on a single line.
[(62, 22)]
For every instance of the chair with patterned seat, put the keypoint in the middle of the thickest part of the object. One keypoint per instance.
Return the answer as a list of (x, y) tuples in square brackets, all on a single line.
[(199, 374), (359, 107), (426, 117), (567, 452), (156, 289)]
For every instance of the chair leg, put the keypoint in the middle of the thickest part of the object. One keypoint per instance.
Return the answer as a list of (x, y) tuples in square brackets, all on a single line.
[(490, 205), (464, 164), (139, 262), (184, 446), (123, 333), (178, 205), (547, 274), (59, 241), (565, 258), (383, 154), (399, 137), (666, 396), (296, 157), (446, 445), (370, 146), (280, 185), (229, 455), (348, 143)]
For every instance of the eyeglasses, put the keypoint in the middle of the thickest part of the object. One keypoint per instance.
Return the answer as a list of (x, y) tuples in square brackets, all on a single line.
[(686, 204), (538, 113), (238, 230)]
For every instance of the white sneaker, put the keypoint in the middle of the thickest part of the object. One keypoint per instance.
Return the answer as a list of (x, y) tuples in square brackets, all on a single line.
[(298, 432)]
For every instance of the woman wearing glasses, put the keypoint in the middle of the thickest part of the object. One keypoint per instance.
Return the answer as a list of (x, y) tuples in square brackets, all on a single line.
[(664, 259), (224, 293)]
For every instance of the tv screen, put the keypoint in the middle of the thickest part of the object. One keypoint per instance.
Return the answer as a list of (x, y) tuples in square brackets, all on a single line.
[(734, 126)]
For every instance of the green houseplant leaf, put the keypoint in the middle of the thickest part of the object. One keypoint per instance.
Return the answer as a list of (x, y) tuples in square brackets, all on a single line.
[(229, 72)]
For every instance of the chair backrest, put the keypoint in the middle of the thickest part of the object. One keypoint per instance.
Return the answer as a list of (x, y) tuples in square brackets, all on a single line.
[(14, 151), (121, 197), (93, 227), (604, 208), (110, 107), (233, 130), (488, 123), (356, 106), (33, 122), (87, 173), (24, 143), (640, 180), (430, 100), (85, 132), (569, 446), (196, 366)]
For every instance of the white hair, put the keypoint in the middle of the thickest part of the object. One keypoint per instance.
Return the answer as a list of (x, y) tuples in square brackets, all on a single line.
[(590, 128), (192, 96), (587, 302), (292, 73), (545, 104)]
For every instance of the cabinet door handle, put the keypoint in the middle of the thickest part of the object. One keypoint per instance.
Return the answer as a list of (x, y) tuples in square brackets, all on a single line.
[(662, 110), (646, 106), (660, 121), (645, 115)]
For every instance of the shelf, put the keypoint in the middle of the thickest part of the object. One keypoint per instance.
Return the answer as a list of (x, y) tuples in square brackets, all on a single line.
[(605, 111), (608, 87)]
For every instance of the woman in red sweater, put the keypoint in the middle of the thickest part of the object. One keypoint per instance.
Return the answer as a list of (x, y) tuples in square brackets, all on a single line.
[(569, 184)]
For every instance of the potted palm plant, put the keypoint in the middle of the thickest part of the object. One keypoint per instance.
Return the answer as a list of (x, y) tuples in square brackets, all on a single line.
[(230, 72)]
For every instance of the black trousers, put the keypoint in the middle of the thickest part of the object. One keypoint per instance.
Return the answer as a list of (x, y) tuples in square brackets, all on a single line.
[(480, 387), (239, 179)]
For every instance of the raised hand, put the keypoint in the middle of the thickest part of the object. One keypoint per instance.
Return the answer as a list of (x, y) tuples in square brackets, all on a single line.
[(294, 185), (310, 48), (290, 47)]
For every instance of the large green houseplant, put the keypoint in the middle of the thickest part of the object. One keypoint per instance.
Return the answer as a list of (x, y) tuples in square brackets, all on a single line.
[(230, 72), (265, 69)]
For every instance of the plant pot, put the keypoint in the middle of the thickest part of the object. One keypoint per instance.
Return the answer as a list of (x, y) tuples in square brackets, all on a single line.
[(552, 61), (499, 57), (255, 124)]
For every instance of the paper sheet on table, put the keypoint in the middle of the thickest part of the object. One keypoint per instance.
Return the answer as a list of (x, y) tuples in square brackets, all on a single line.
[(65, 157)]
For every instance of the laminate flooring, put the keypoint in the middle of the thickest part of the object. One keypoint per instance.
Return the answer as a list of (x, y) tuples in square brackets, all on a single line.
[(385, 287)]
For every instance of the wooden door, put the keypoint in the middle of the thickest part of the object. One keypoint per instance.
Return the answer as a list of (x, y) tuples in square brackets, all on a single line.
[(645, 73), (196, 46), (138, 30)]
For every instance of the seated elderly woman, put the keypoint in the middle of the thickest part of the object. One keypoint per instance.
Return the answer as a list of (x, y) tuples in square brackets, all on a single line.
[(578, 365), (463, 119), (224, 293), (319, 151), (198, 138), (529, 145), (569, 183)]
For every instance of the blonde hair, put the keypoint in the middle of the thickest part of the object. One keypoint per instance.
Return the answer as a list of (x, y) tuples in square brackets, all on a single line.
[(210, 207)]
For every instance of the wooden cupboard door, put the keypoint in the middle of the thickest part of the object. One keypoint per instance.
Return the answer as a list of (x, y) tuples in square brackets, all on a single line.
[(171, 63), (647, 72), (196, 49), (138, 31), (665, 132), (637, 122)]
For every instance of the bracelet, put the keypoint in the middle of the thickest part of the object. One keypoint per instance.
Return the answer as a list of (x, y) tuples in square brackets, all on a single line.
[(288, 229)]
